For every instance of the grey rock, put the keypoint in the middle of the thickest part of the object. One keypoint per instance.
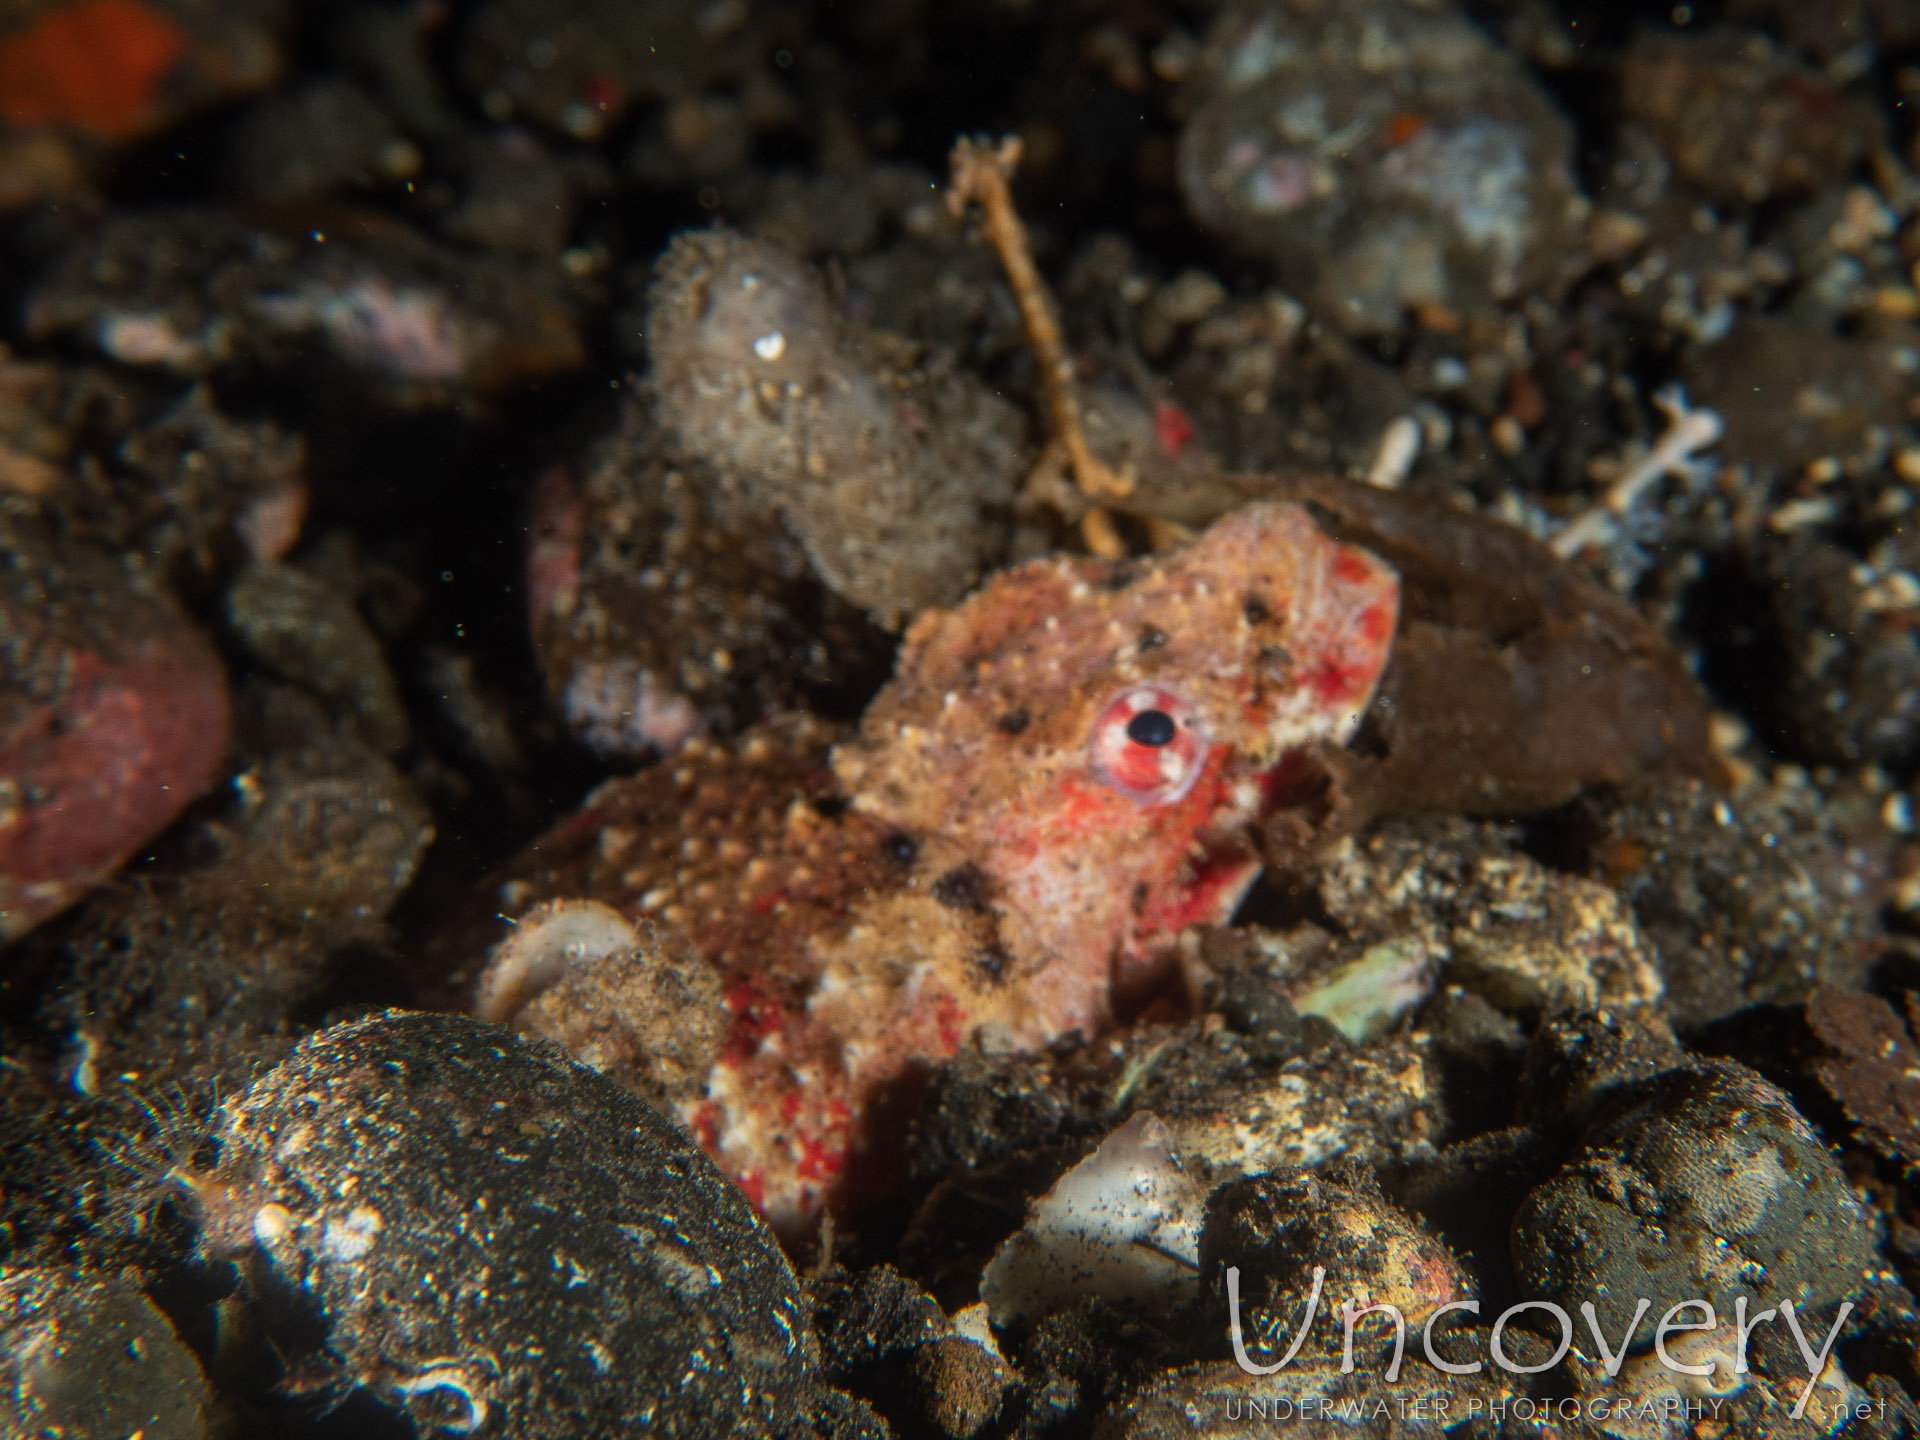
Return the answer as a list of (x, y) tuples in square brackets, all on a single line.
[(304, 143), (1576, 1062), (1381, 156), (312, 634), (882, 472)]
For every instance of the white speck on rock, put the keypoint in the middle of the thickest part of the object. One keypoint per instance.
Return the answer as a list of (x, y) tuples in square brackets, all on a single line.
[(271, 1223), (1393, 458), (349, 1239), (1688, 432)]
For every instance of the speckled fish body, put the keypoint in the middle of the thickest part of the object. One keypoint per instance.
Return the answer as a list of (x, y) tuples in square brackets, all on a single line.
[(1065, 772)]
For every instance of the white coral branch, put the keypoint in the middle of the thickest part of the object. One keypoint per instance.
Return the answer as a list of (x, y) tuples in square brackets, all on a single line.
[(1688, 431)]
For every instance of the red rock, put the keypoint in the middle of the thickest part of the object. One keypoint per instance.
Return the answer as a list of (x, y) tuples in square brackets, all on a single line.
[(81, 78), (113, 718), (95, 65)]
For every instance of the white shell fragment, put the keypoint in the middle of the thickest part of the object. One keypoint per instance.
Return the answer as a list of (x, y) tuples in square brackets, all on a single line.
[(547, 940), (974, 1322), (1675, 453), (1366, 997), (1393, 458), (1122, 1225)]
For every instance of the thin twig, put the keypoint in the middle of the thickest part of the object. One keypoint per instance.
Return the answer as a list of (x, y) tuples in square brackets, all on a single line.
[(982, 176), (1101, 536)]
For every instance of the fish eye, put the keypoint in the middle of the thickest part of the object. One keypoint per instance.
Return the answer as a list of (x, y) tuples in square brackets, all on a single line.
[(1152, 727), (1149, 744)]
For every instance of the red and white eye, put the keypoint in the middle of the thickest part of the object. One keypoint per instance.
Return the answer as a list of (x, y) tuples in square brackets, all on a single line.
[(1149, 744)]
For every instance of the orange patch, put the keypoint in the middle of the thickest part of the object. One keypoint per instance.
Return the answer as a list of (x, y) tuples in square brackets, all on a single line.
[(1403, 127), (94, 65), (1525, 401), (1622, 860)]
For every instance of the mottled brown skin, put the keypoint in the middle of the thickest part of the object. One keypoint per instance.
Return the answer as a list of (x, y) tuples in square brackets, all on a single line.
[(1516, 681), (718, 841), (752, 851), (968, 869)]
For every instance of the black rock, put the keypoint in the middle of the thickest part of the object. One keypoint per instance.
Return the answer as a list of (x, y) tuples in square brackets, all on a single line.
[(88, 1356), (889, 1343), (1294, 1231), (1701, 1183), (1576, 1061), (470, 1226)]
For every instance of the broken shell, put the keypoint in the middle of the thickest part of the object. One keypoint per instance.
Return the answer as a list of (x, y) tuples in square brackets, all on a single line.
[(1122, 1225), (548, 940)]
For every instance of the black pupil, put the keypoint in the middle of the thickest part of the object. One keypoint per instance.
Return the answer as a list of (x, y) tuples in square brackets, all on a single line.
[(1151, 727)]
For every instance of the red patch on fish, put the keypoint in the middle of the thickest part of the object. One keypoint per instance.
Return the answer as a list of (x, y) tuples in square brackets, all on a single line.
[(1402, 126), (603, 92), (1173, 427)]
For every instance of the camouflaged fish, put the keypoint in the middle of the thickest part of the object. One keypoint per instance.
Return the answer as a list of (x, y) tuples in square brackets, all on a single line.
[(784, 936)]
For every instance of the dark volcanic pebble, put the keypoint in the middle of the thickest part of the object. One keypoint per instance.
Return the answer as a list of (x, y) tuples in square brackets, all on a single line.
[(887, 1340), (493, 1236), (1758, 897), (88, 1357), (311, 632), (1872, 1068), (1704, 1182), (1852, 702), (1293, 1229), (638, 578), (1380, 157), (216, 965), (1577, 1061), (1740, 119)]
